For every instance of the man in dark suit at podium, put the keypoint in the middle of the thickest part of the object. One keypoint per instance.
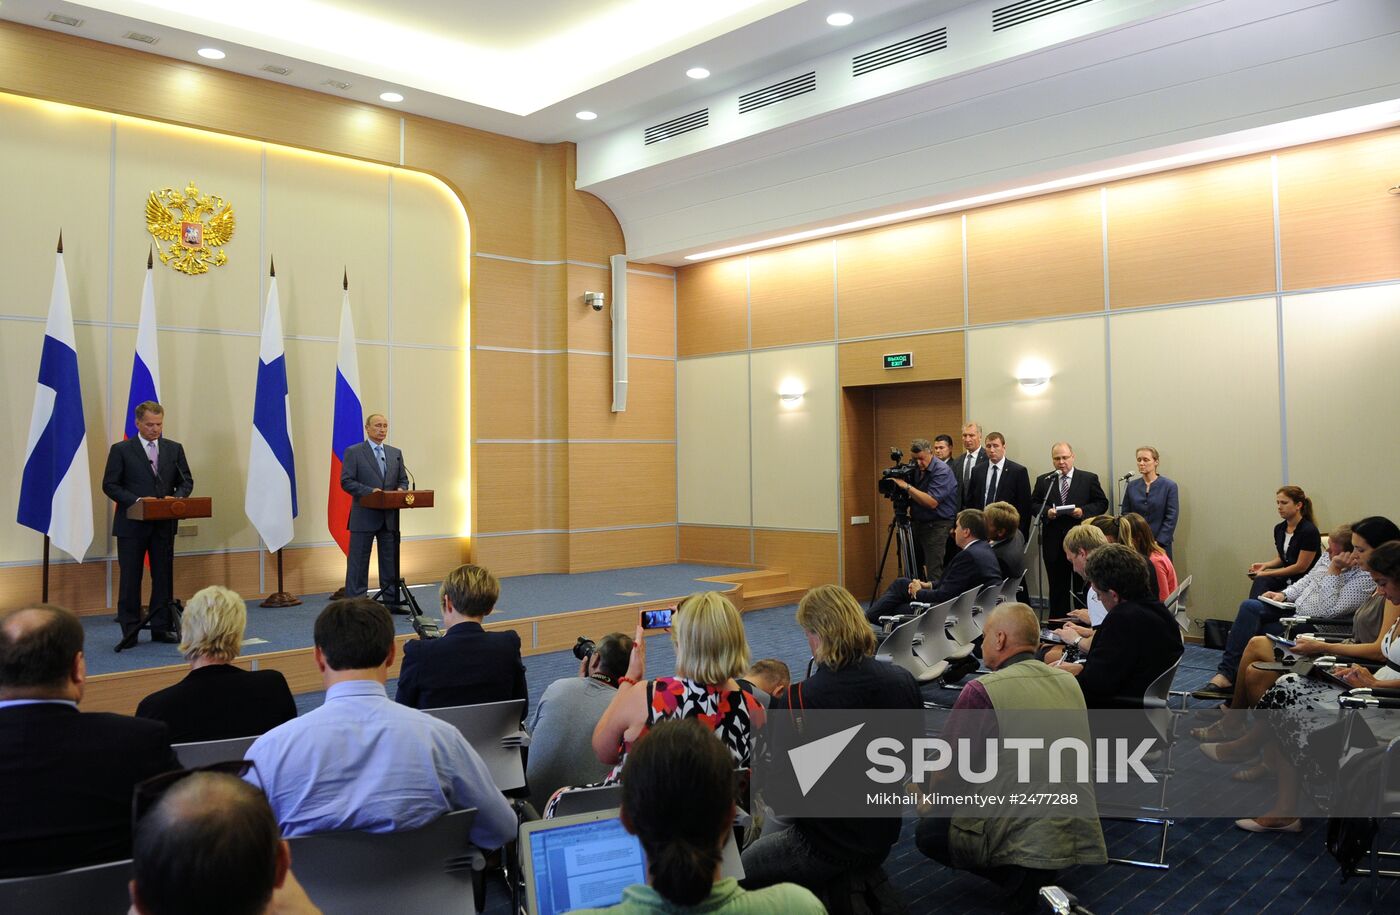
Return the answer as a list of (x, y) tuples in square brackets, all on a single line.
[(1068, 496), (369, 467), (147, 466), (1001, 479)]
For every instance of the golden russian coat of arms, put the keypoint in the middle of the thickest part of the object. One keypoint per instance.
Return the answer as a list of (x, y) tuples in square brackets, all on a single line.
[(196, 225)]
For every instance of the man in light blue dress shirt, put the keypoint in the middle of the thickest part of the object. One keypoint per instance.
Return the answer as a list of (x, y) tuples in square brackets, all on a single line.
[(362, 761)]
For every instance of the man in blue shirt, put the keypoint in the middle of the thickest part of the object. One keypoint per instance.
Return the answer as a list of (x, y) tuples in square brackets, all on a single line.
[(361, 761), (931, 505)]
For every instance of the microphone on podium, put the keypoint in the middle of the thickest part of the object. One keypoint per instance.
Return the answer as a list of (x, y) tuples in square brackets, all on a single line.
[(1126, 477)]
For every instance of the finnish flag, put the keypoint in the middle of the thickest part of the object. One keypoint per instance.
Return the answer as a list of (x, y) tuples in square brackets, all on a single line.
[(271, 503), (55, 495)]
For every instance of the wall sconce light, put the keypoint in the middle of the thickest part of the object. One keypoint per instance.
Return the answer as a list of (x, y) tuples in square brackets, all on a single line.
[(791, 392), (1393, 191), (1033, 376)]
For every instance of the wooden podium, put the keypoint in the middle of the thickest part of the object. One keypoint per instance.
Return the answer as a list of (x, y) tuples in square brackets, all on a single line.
[(395, 593), (394, 499), (156, 509)]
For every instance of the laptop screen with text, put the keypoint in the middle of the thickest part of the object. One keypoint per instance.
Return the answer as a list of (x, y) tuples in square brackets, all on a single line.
[(581, 862)]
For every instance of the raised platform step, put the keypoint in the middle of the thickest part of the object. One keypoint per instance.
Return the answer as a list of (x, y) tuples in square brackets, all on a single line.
[(763, 598), (758, 579)]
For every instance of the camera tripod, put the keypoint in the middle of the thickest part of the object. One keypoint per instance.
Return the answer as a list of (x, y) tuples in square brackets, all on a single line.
[(901, 531)]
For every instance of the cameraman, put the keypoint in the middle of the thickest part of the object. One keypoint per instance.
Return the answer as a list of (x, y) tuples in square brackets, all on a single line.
[(561, 734), (931, 489)]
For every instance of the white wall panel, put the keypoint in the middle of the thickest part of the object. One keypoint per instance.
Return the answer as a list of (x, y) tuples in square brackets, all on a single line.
[(1072, 406), (1201, 386), (712, 458), (1342, 377), (795, 444)]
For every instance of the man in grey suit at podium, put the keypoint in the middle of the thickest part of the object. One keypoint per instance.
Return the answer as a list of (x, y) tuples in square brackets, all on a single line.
[(368, 467)]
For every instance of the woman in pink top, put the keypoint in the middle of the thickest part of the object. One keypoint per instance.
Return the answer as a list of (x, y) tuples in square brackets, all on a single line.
[(1154, 554)]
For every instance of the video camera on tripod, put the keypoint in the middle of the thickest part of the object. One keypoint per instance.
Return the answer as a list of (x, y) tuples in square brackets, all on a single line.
[(900, 471), (901, 529)]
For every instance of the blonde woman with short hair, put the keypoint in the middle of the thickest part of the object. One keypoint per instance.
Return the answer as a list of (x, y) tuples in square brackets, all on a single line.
[(218, 700), (711, 650)]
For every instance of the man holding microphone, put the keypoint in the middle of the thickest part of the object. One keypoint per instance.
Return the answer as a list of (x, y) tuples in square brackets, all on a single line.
[(1067, 497)]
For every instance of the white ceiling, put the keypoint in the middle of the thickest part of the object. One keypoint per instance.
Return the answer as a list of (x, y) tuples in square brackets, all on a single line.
[(518, 67), (1100, 83)]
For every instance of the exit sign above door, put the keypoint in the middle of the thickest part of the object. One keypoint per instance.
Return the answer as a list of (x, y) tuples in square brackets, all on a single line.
[(899, 360)]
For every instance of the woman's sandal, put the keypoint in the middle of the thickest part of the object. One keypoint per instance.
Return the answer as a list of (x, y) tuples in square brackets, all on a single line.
[(1256, 773), (1214, 733)]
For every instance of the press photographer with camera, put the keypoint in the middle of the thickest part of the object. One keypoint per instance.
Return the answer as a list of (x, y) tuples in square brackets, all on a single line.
[(561, 731), (930, 487), (466, 664)]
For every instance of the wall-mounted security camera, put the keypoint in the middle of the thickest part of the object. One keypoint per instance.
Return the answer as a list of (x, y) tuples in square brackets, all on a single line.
[(595, 300)]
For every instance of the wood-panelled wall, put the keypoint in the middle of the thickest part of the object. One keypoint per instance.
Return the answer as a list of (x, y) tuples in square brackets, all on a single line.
[(1314, 217), (544, 442)]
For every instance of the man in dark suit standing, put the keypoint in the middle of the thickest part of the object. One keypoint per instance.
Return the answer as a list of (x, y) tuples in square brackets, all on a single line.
[(148, 466), (368, 467), (974, 566), (1068, 497), (1001, 479), (965, 464), (468, 665), (66, 777)]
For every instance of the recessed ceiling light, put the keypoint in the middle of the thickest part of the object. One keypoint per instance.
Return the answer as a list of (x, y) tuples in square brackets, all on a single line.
[(211, 53), (839, 19), (697, 73), (390, 97), (586, 115)]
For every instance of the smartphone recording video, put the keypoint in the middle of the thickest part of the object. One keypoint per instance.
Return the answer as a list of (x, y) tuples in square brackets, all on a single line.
[(657, 619)]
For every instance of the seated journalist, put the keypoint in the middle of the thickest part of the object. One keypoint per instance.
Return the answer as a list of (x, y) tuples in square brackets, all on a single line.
[(1019, 853), (561, 731), (678, 799), (1137, 640), (218, 700), (467, 665), (65, 776), (973, 566), (363, 762), (207, 842)]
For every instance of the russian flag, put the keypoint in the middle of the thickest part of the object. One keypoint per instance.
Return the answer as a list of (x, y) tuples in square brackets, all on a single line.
[(145, 368), (271, 502), (55, 495), (346, 425)]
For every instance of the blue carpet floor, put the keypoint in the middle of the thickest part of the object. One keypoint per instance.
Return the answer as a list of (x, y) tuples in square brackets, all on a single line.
[(1215, 868), (521, 596)]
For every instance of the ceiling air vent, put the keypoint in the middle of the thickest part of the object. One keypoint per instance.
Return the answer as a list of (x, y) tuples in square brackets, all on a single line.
[(1024, 11), (899, 52), (778, 92), (144, 39), (677, 126), (273, 68), (336, 84), (64, 20)]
